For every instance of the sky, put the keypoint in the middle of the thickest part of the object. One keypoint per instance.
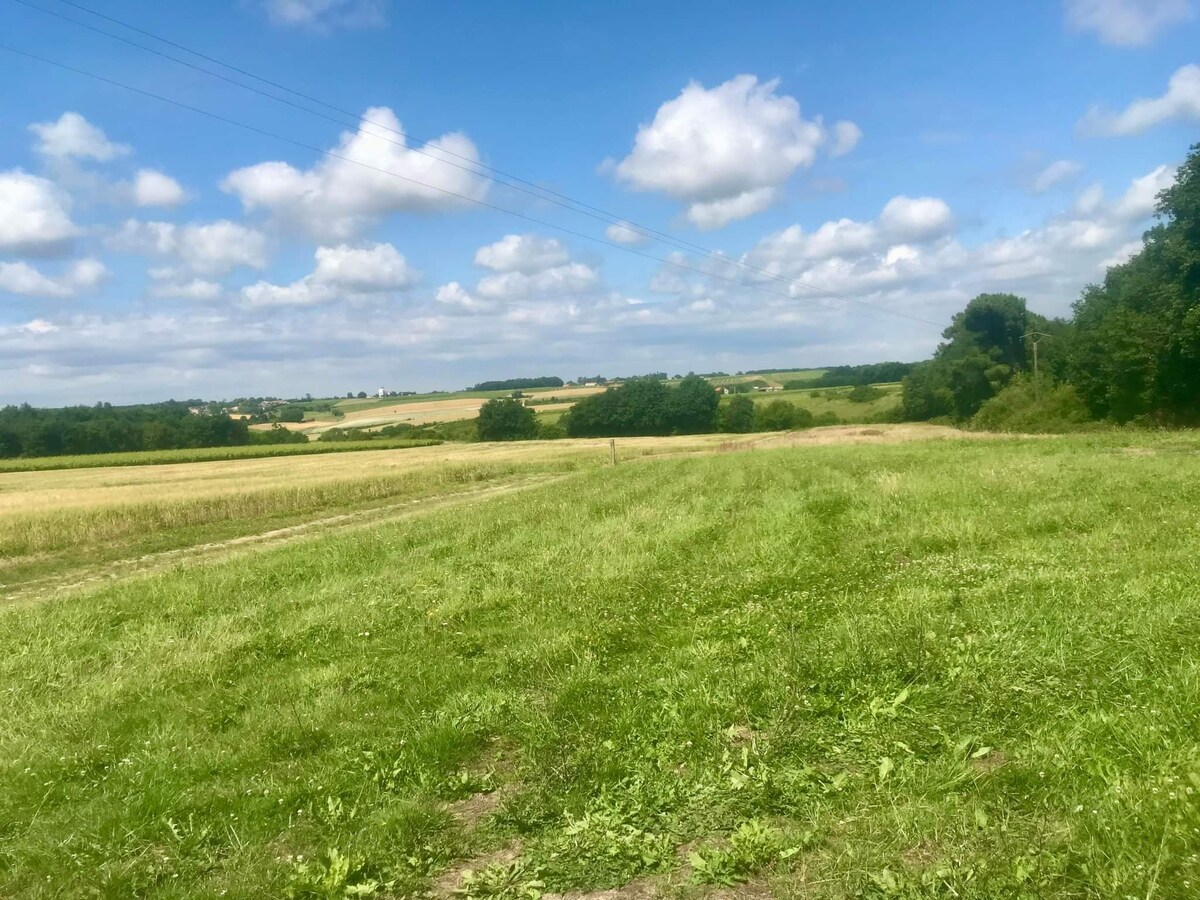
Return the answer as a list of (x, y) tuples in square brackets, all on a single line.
[(421, 196)]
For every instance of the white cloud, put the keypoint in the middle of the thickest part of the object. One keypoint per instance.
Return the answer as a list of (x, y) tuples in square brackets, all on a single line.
[(624, 233), (213, 248), (572, 278), (33, 214), (341, 272), (902, 220), (916, 218), (74, 137), (525, 253), (153, 188), (1140, 200), (724, 151), (454, 295), (1057, 172), (1126, 23), (526, 265), (364, 270), (1089, 200), (323, 14), (846, 136), (1180, 102), (372, 174), (711, 214), (23, 279), (167, 285)]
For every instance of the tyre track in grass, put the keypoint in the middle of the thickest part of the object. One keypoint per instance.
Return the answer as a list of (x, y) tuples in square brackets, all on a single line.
[(108, 573)]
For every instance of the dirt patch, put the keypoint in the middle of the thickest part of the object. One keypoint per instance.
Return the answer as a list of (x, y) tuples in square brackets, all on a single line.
[(925, 853), (640, 889), (471, 811), (452, 879), (743, 736), (989, 763)]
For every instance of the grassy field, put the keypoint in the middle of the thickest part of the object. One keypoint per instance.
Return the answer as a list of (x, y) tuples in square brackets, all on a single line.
[(823, 401), (199, 454), (962, 668)]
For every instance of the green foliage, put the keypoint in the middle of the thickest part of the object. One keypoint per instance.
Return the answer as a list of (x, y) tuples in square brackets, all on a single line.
[(514, 384), (873, 373), (550, 431), (502, 881), (27, 431), (291, 414), (506, 420), (864, 393), (1026, 408), (780, 415), (737, 415), (331, 875), (752, 847), (1136, 350), (646, 406)]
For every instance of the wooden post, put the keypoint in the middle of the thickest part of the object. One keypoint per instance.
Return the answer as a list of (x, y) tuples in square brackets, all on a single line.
[(612, 449)]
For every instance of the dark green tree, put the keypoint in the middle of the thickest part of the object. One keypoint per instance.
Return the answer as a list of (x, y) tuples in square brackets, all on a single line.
[(506, 420), (737, 416)]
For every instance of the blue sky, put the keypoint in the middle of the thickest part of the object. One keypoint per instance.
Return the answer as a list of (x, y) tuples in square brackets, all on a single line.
[(858, 172)]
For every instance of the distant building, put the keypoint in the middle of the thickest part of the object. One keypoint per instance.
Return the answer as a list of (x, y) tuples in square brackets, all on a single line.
[(381, 393)]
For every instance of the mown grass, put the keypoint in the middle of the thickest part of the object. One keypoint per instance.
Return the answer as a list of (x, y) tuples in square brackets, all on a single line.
[(956, 669), (199, 454)]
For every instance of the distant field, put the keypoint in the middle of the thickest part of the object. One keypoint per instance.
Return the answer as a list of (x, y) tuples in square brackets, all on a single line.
[(420, 409), (853, 663), (835, 400), (199, 454)]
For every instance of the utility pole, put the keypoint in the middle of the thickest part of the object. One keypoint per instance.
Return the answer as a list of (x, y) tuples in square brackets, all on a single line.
[(1038, 337)]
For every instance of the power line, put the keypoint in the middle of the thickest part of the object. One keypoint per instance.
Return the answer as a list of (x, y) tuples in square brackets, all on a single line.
[(473, 166), (464, 197)]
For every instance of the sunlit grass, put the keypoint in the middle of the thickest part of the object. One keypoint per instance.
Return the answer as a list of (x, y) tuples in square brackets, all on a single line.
[(952, 669)]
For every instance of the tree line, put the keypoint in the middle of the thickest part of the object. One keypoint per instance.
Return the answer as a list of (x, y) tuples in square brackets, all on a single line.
[(31, 431), (1129, 353)]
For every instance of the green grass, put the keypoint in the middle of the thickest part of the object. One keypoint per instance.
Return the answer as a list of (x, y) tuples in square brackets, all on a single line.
[(821, 401), (963, 669), (198, 454)]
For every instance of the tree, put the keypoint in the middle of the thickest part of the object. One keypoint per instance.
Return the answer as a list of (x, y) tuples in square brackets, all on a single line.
[(737, 416), (780, 415), (1136, 348), (506, 420), (693, 406)]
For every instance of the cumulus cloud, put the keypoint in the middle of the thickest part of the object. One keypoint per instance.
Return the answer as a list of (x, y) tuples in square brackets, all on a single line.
[(167, 285), (455, 296), (902, 220), (325, 14), (725, 151), (341, 272), (571, 278), (1181, 102), (34, 216), (1140, 200), (624, 233), (1126, 23), (846, 136), (526, 253), (25, 280), (212, 248), (1056, 173), (371, 174), (527, 265), (74, 137), (153, 188)]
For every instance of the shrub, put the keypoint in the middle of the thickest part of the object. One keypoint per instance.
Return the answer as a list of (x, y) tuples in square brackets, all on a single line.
[(1055, 408), (737, 416), (864, 393), (506, 420), (779, 415)]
